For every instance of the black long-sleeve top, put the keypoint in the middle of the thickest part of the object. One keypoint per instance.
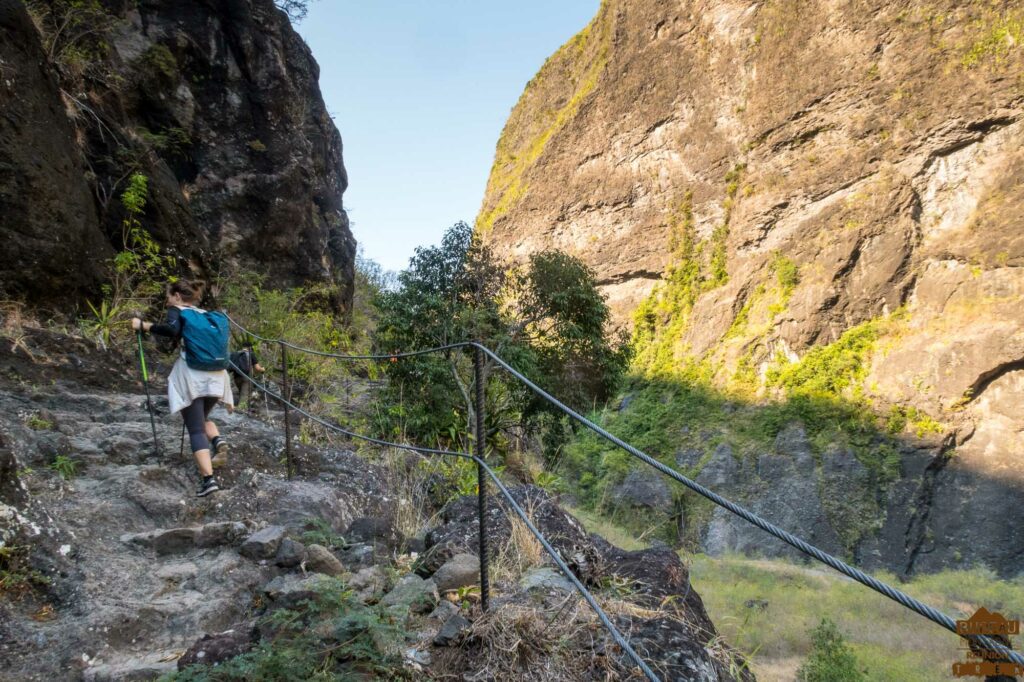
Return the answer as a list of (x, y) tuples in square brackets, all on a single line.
[(172, 327)]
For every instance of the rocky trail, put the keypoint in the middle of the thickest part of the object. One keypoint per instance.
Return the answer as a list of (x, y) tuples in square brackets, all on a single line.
[(132, 571)]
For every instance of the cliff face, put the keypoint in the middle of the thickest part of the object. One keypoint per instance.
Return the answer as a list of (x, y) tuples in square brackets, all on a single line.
[(216, 103), (779, 173)]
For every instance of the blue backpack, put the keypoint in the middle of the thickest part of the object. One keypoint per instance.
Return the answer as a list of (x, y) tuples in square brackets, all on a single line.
[(206, 339)]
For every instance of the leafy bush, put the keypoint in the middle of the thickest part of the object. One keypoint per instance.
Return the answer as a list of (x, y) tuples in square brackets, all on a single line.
[(831, 659)]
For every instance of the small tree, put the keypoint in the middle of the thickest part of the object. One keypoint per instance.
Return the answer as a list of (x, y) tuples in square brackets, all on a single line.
[(546, 318), (831, 659)]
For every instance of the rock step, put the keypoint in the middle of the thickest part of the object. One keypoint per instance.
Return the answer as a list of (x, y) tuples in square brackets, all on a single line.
[(182, 540)]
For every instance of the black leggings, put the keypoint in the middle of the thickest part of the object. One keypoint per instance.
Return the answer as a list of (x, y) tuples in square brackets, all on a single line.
[(195, 421)]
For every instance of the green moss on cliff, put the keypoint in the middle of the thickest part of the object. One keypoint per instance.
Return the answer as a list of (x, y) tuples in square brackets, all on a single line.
[(998, 38), (551, 99)]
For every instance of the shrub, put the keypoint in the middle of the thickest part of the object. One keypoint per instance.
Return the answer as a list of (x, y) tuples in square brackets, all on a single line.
[(831, 659)]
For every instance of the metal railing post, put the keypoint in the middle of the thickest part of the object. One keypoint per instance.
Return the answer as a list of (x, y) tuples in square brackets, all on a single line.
[(286, 390), (481, 479)]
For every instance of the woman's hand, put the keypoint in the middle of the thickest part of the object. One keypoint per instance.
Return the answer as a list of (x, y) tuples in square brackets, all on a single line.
[(139, 325)]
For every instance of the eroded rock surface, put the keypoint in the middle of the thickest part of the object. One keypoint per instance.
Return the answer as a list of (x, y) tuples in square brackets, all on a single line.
[(873, 151), (142, 578)]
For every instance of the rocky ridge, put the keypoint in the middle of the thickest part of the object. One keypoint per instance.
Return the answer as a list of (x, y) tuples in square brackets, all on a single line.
[(134, 578), (825, 168), (217, 104)]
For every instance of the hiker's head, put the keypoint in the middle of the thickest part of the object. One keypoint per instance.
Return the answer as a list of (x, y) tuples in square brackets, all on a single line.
[(185, 292)]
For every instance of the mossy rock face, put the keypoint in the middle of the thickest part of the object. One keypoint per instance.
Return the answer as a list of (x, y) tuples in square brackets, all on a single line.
[(176, 91)]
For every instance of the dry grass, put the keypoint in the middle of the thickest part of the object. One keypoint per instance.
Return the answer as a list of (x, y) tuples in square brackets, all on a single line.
[(519, 554), (523, 641)]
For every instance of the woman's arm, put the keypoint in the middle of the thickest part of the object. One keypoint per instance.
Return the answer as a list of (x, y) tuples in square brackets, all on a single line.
[(171, 327)]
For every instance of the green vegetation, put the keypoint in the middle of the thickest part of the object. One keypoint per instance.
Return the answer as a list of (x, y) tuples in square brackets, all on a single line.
[(17, 577), (787, 274), (919, 423), (38, 423), (831, 660), (772, 608), (828, 370), (103, 323), (172, 142), (306, 316), (333, 636), (695, 267), (585, 57), (157, 64), (682, 408), (999, 38), (65, 467), (74, 36), (138, 272), (546, 318), (319, 532)]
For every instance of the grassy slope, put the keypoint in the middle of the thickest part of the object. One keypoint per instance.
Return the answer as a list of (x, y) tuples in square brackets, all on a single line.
[(890, 642)]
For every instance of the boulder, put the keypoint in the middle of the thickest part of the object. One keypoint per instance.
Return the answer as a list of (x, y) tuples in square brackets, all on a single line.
[(263, 544), (217, 648), (359, 555), (292, 587), (459, 531), (220, 533), (645, 488), (722, 470), (369, 583), (443, 611), (290, 553), (546, 579), (170, 541), (462, 570), (374, 530), (412, 593), (452, 630), (319, 559)]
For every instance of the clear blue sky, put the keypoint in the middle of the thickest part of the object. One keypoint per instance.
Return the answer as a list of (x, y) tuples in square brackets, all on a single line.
[(420, 90)]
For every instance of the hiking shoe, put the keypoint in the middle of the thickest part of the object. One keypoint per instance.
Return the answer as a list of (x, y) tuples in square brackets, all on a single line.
[(208, 486)]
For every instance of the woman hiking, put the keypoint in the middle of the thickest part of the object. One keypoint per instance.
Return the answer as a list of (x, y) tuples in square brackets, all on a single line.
[(199, 379)]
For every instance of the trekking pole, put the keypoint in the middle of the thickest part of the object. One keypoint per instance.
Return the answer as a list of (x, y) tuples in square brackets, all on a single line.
[(181, 448), (149, 402)]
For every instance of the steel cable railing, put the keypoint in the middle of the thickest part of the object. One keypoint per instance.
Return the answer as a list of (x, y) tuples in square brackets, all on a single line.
[(856, 574), (552, 552)]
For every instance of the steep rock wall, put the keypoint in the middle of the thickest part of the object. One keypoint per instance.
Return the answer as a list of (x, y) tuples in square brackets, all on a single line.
[(820, 166), (216, 103)]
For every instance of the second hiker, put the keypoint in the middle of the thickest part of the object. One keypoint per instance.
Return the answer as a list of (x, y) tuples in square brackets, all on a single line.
[(199, 379)]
